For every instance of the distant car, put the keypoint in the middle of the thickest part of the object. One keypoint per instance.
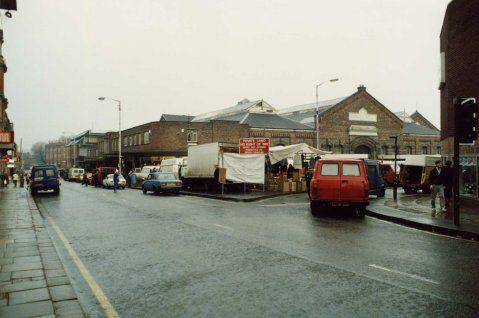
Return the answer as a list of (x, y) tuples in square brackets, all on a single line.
[(161, 182), (44, 178), (75, 174), (108, 181), (339, 182), (387, 173)]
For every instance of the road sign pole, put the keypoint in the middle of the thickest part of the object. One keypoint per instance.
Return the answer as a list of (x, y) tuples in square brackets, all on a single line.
[(456, 170)]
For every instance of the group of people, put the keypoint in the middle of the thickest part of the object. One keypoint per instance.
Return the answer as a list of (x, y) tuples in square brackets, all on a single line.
[(16, 178), (441, 180)]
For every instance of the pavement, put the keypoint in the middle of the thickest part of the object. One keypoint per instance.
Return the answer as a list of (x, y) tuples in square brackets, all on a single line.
[(33, 282), (163, 255), (414, 210)]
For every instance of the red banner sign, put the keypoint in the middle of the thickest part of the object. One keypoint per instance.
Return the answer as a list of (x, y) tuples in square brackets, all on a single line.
[(6, 137), (254, 145)]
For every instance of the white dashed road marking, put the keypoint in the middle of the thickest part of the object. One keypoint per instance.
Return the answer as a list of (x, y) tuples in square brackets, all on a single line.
[(404, 274)]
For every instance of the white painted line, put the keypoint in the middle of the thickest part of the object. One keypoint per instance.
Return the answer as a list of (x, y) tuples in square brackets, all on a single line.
[(404, 274), (96, 289), (225, 227)]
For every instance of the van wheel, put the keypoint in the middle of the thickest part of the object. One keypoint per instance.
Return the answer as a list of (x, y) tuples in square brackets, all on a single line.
[(315, 208), (382, 193), (144, 190), (359, 211), (33, 192), (56, 190), (157, 191)]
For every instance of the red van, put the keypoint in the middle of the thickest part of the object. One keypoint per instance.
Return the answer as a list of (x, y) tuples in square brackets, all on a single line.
[(339, 183)]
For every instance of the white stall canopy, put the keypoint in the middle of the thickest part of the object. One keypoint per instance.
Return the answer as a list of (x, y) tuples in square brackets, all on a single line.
[(244, 168), (279, 153)]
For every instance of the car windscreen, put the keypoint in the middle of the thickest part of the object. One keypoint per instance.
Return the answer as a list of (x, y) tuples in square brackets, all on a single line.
[(38, 173), (167, 176)]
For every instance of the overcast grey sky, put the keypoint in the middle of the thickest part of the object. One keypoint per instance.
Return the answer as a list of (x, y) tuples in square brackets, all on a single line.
[(190, 56)]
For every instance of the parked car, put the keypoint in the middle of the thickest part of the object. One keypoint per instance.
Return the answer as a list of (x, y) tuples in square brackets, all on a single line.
[(100, 174), (108, 181), (377, 186), (145, 172), (339, 182), (161, 182), (75, 174), (44, 178), (388, 173), (414, 174)]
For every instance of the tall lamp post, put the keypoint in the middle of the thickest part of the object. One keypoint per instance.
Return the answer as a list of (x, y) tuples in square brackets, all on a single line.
[(119, 128), (317, 108), (395, 184)]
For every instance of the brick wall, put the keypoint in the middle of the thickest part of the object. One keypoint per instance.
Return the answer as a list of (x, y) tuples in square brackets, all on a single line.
[(460, 42)]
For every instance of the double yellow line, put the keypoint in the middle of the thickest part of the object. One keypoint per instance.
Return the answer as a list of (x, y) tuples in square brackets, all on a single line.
[(95, 288)]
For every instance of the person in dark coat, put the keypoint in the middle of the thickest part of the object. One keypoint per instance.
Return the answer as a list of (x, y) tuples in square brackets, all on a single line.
[(116, 180), (448, 181), (436, 181), (290, 171)]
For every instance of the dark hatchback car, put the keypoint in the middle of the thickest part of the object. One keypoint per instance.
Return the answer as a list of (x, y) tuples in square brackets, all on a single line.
[(44, 178)]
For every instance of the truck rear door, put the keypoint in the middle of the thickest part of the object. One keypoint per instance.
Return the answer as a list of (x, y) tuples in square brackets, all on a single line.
[(329, 182), (352, 182)]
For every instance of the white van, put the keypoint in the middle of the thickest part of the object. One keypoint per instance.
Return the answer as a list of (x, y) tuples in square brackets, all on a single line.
[(145, 171), (172, 165), (75, 174)]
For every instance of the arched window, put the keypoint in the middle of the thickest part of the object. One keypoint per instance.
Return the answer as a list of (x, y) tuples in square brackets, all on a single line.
[(424, 150)]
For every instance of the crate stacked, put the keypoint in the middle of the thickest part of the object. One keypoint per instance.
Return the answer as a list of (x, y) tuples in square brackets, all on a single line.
[(282, 184)]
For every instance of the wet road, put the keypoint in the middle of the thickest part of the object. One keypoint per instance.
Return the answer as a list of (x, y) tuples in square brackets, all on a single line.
[(193, 257)]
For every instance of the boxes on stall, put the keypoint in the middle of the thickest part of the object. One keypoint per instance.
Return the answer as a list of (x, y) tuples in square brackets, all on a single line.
[(296, 176)]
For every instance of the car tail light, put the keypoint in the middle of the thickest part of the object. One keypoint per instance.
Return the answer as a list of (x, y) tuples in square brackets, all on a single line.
[(163, 184), (179, 184)]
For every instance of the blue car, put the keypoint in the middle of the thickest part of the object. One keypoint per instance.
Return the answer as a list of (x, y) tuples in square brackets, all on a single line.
[(161, 182), (44, 178)]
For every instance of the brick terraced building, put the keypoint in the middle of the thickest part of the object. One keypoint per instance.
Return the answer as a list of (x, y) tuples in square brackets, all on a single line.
[(459, 45)]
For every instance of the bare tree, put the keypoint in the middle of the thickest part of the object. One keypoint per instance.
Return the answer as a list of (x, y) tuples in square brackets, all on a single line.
[(38, 152)]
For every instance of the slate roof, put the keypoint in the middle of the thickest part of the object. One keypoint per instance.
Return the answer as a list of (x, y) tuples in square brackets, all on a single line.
[(304, 114), (305, 107), (241, 106), (415, 129), (182, 118), (272, 121)]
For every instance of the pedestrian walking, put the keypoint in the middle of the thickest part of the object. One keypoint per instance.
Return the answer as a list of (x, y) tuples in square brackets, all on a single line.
[(448, 182), (116, 180), (436, 181), (132, 176), (22, 180), (85, 180), (4, 183), (27, 180), (15, 179)]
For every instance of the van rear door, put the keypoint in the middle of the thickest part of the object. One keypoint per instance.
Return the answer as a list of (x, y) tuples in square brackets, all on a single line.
[(328, 185), (352, 182)]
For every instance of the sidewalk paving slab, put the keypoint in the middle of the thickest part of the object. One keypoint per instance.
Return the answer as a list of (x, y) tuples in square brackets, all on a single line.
[(415, 211), (33, 282)]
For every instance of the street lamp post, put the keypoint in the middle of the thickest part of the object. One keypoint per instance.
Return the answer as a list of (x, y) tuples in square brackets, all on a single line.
[(119, 129), (317, 109), (395, 184)]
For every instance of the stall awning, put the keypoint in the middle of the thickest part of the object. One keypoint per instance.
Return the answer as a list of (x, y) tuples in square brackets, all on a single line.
[(279, 153)]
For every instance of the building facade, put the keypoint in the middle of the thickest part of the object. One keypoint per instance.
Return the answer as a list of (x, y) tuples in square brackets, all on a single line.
[(7, 145), (459, 45), (56, 153), (360, 124)]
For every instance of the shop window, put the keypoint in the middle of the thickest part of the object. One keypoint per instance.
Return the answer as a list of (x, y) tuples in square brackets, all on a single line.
[(192, 135), (468, 177)]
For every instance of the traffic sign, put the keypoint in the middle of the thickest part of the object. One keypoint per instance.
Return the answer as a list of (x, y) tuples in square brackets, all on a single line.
[(254, 145)]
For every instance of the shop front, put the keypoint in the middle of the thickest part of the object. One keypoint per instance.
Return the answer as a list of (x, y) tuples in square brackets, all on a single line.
[(468, 179)]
